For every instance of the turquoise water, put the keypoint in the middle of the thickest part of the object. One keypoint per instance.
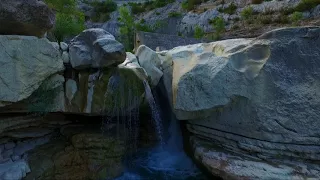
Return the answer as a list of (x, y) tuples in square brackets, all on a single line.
[(161, 164)]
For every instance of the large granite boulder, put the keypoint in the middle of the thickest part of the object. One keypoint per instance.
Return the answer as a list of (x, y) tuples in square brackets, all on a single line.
[(256, 99), (95, 48), (25, 17), (26, 62), (99, 92)]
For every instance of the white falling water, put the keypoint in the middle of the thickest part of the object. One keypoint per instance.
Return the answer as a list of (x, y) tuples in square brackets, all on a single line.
[(154, 110)]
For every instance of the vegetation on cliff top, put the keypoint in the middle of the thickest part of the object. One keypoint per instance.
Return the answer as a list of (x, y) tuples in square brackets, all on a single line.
[(69, 20)]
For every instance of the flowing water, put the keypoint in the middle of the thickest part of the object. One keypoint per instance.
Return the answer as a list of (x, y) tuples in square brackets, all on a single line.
[(167, 160)]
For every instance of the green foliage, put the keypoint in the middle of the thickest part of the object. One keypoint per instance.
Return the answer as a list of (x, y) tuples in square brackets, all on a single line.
[(102, 10), (296, 17), (190, 4), (127, 27), (42, 100), (198, 32), (256, 1), (231, 9), (69, 21), (265, 19), (306, 5), (67, 25), (219, 27), (143, 27), (137, 8), (159, 24), (174, 14), (104, 6), (247, 12), (282, 19)]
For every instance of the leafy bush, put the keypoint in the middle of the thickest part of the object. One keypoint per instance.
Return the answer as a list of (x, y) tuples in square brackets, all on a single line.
[(281, 19), (256, 1), (69, 21), (219, 26), (104, 6), (137, 8), (174, 14), (306, 5), (296, 17), (190, 4), (127, 28), (247, 12), (67, 25), (265, 19), (231, 9), (198, 32)]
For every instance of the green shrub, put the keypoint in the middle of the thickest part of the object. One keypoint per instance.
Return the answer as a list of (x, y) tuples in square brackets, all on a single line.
[(306, 5), (265, 19), (127, 28), (256, 1), (157, 13), (42, 100), (219, 26), (190, 4), (174, 14), (247, 12), (69, 21), (198, 32), (231, 9), (296, 17), (281, 19), (143, 27), (107, 6)]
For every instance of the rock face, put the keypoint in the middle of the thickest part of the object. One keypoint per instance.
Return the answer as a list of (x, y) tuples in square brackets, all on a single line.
[(25, 17), (88, 156), (254, 99), (95, 48), (24, 69)]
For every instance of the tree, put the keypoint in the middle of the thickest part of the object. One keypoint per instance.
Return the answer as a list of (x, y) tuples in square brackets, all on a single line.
[(127, 27), (198, 32), (69, 21), (218, 26)]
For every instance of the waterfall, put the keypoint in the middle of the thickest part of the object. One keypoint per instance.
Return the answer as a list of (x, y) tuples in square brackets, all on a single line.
[(122, 115), (154, 110), (166, 160)]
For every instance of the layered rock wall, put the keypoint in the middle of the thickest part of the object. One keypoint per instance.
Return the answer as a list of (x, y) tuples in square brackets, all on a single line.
[(252, 105)]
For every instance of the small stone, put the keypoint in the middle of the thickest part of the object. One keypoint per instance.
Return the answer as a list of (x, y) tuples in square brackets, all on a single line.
[(10, 145), (65, 57), (64, 46)]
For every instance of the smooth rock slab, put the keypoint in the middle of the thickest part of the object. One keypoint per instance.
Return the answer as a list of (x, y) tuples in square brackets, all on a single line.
[(23, 69)]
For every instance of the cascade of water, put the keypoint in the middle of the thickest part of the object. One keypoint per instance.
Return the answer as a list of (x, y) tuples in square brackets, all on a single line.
[(154, 110)]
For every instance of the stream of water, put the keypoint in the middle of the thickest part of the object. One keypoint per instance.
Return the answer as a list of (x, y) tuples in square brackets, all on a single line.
[(166, 160)]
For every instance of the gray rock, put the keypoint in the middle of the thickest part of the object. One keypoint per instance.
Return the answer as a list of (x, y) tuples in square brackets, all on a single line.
[(315, 11), (95, 48), (254, 97), (14, 170), (23, 68), (64, 46), (15, 158), (25, 17), (7, 153), (9, 145), (150, 61), (65, 57)]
